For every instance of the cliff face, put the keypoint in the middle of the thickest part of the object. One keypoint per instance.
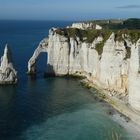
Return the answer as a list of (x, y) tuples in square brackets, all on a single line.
[(113, 66), (8, 74), (134, 76), (107, 63)]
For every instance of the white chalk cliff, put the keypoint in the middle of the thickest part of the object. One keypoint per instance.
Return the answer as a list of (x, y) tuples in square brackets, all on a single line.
[(8, 74), (112, 69), (83, 26)]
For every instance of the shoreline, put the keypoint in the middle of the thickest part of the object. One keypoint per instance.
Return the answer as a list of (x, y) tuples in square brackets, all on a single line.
[(121, 112), (125, 116)]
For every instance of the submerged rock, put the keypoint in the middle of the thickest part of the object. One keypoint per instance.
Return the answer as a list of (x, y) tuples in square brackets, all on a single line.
[(8, 74)]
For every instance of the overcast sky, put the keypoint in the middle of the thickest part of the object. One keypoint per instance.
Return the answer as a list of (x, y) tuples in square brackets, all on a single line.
[(68, 9)]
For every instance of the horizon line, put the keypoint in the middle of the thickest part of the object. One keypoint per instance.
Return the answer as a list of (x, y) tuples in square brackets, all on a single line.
[(68, 20)]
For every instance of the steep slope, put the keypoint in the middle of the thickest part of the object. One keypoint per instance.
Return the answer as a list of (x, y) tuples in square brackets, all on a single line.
[(8, 74)]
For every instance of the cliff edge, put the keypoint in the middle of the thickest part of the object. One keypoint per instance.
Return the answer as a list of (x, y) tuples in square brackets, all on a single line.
[(109, 59)]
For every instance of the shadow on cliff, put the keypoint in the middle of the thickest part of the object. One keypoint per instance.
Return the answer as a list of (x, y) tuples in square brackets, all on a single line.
[(49, 71), (39, 67)]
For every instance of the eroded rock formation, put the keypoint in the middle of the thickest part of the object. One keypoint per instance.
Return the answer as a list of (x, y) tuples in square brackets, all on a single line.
[(112, 63), (8, 74)]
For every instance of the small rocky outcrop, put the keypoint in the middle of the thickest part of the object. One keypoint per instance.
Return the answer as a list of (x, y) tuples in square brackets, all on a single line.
[(8, 74)]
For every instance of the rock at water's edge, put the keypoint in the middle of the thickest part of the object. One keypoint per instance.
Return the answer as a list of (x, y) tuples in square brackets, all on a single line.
[(8, 74)]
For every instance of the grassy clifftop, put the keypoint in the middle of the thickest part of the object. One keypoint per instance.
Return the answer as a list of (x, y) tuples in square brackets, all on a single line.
[(130, 24), (90, 34), (85, 35), (129, 29)]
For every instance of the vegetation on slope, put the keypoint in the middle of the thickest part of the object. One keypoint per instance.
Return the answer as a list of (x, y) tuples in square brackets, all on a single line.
[(132, 35), (88, 35), (123, 29), (130, 24)]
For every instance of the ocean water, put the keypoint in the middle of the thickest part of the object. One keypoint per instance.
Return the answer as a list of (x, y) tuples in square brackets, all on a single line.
[(52, 108)]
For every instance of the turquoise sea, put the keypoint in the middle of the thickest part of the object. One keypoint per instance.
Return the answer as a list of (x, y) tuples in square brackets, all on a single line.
[(51, 108)]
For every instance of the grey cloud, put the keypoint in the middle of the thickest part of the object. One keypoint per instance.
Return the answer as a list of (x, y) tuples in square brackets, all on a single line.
[(128, 7)]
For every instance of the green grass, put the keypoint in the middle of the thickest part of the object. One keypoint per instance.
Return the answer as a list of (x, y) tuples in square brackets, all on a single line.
[(118, 24), (105, 34), (90, 35), (133, 35)]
